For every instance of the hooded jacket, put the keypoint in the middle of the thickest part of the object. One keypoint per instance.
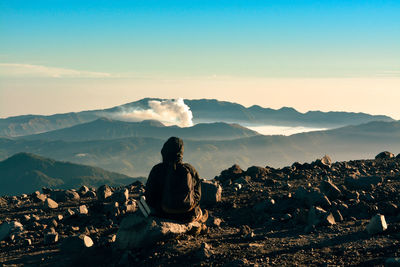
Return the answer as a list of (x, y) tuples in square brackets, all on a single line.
[(159, 194)]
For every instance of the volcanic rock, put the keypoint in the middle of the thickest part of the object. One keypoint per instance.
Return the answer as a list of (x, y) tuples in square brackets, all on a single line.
[(377, 224), (50, 237), (103, 192), (256, 172), (83, 190), (137, 232), (210, 192), (363, 183), (76, 243), (385, 155), (318, 216), (120, 196), (50, 204), (331, 190)]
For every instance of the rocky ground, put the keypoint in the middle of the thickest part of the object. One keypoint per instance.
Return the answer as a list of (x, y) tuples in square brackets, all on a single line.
[(322, 213)]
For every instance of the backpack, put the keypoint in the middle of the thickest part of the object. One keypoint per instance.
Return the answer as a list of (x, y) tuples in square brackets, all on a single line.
[(178, 190)]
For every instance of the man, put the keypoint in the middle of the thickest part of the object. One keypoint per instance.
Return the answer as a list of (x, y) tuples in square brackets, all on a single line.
[(173, 189)]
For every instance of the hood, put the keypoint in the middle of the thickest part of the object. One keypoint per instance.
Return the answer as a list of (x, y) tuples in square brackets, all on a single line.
[(172, 150)]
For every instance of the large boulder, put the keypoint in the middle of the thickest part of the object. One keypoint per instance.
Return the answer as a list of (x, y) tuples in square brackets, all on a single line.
[(324, 162), (384, 155), (121, 196), (50, 204), (136, 231), (210, 192)]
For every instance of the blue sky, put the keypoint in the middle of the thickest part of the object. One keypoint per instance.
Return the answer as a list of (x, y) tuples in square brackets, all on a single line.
[(180, 39)]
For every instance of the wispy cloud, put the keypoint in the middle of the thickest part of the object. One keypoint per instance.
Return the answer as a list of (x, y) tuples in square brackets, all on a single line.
[(29, 70)]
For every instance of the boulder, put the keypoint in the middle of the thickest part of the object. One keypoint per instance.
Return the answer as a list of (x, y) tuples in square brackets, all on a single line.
[(324, 162), (77, 243), (72, 195), (38, 197), (50, 204), (384, 155), (90, 194), (7, 228), (136, 231), (256, 172), (376, 225), (363, 183), (398, 156), (50, 237), (331, 190), (318, 216), (3, 202), (103, 192), (210, 192), (120, 196), (83, 190)]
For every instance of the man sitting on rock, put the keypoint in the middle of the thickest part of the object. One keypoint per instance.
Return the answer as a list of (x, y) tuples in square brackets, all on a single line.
[(173, 189)]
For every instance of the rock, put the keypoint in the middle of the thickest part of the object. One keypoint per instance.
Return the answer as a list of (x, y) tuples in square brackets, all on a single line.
[(103, 192), (324, 162), (318, 216), (376, 225), (384, 155), (50, 204), (72, 195), (111, 209), (130, 206), (76, 243), (392, 262), (337, 215), (50, 237), (90, 194), (398, 156), (388, 208), (363, 183), (232, 173), (204, 251), (256, 172), (120, 196), (57, 195), (83, 190), (210, 192), (82, 210), (331, 190), (5, 230), (38, 197), (135, 231), (27, 242)]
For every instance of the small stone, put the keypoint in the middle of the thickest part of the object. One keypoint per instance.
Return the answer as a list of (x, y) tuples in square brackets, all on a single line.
[(27, 242), (377, 225), (82, 210)]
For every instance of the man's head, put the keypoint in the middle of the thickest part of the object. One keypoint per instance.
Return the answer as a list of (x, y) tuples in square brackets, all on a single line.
[(172, 150)]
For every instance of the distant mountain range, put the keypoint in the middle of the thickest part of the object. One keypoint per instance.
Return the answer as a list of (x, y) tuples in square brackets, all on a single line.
[(204, 110), (26, 172), (105, 129), (135, 156)]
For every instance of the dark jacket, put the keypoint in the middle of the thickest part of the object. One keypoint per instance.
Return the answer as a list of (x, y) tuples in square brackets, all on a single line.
[(159, 194)]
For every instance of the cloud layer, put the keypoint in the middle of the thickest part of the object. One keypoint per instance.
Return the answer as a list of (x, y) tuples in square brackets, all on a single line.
[(29, 70)]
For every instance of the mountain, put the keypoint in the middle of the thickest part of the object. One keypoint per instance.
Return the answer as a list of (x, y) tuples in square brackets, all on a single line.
[(204, 110), (26, 172), (104, 129), (135, 156)]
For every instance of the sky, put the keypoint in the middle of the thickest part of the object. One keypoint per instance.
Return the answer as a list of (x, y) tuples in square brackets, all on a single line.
[(60, 56)]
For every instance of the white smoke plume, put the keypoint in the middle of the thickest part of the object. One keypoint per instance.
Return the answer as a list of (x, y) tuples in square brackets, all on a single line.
[(169, 112)]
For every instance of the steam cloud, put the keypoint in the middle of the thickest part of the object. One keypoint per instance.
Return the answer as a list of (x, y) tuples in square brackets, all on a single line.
[(169, 112)]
